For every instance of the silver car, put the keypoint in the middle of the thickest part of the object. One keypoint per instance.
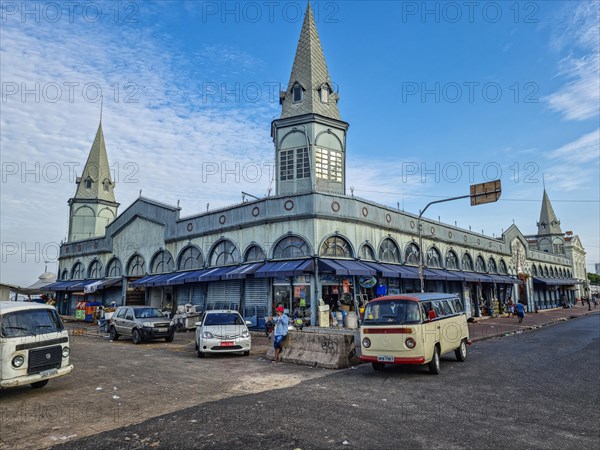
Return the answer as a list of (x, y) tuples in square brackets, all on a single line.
[(222, 331), (141, 323)]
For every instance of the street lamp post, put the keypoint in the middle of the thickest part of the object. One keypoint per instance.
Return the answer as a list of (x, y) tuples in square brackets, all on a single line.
[(480, 194)]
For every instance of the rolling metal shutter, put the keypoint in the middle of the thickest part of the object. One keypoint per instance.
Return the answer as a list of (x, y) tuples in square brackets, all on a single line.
[(255, 300), (223, 295)]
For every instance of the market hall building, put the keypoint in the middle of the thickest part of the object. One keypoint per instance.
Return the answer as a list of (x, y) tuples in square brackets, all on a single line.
[(307, 242)]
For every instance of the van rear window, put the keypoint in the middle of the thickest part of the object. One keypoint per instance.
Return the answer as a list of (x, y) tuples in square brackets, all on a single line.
[(392, 312), (30, 323)]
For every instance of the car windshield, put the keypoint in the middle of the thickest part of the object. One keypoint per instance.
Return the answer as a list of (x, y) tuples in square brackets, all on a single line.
[(30, 323), (223, 319), (147, 313), (392, 312)]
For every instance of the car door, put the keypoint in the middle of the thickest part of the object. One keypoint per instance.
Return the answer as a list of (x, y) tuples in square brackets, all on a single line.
[(118, 319), (128, 321)]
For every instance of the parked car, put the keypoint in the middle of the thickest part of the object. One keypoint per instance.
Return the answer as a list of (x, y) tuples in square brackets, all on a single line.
[(222, 331), (141, 323)]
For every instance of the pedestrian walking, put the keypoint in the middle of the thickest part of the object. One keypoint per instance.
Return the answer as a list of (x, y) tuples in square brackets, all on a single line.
[(511, 307), (281, 322), (520, 308)]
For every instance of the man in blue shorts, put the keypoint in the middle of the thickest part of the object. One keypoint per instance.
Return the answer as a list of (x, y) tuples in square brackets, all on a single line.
[(280, 331)]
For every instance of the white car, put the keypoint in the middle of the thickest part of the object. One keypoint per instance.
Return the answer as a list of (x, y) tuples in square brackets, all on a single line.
[(222, 331)]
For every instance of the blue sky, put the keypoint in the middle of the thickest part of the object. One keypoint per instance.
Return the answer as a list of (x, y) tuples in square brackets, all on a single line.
[(437, 96)]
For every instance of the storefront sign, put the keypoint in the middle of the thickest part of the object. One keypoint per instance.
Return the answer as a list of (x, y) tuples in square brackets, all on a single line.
[(367, 282)]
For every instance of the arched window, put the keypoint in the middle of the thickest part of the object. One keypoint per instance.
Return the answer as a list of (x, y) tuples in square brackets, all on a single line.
[(254, 253), (135, 266), (336, 247), (434, 258), (492, 268), (389, 251), (534, 271), (467, 262), (114, 268), (367, 253), (78, 272), (540, 270), (65, 275), (546, 272), (162, 262), (502, 269), (411, 254), (95, 269), (297, 93), (561, 273), (451, 260), (190, 258), (291, 247), (479, 264), (223, 253)]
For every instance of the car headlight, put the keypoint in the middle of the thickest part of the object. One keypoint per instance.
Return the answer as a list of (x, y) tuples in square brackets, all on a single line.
[(66, 352), (245, 334), (18, 361), (410, 343), (147, 324), (366, 342), (207, 335)]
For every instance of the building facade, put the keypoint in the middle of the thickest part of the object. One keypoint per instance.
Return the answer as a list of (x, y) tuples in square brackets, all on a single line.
[(309, 241)]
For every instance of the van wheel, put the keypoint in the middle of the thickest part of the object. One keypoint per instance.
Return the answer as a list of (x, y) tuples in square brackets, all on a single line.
[(378, 366), (247, 353), (461, 351), (434, 364), (170, 337), (39, 384), (113, 334), (136, 337), (200, 354)]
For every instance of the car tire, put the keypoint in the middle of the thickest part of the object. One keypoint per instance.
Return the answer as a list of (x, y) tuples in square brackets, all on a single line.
[(247, 353), (200, 354), (114, 336), (39, 384), (378, 366), (461, 351), (434, 364), (170, 337), (136, 337)]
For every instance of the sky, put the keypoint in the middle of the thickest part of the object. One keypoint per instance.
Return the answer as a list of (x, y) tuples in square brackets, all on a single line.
[(438, 95)]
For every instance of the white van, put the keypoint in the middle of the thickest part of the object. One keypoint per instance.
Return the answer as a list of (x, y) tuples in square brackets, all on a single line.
[(414, 329), (34, 345)]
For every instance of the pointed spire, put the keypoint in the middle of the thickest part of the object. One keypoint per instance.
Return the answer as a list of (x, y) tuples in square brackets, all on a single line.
[(548, 223), (309, 71), (96, 181)]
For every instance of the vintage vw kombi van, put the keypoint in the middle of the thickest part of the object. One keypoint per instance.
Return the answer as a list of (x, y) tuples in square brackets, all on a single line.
[(414, 329), (34, 345)]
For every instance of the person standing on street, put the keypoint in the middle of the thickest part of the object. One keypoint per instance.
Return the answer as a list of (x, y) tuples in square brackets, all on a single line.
[(520, 307), (281, 322), (511, 307)]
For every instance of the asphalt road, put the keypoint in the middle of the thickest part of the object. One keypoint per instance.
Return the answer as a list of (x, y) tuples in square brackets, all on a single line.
[(531, 390)]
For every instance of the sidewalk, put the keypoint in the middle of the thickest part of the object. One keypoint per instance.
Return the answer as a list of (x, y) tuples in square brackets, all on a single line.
[(484, 328)]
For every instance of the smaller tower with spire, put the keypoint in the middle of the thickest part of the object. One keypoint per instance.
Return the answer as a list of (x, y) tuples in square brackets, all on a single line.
[(550, 238), (93, 207)]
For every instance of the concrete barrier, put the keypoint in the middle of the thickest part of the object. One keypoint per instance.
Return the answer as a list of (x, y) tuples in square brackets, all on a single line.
[(320, 348)]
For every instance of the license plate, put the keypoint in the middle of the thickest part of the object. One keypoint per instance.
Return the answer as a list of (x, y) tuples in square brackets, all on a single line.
[(226, 344), (48, 373), (163, 330), (385, 358)]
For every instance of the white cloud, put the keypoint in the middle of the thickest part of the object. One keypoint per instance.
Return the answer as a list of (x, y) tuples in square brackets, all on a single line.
[(579, 98)]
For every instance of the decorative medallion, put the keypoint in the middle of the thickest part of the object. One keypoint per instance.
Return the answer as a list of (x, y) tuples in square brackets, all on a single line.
[(450, 234), (412, 224), (465, 238), (222, 219), (432, 230), (190, 226), (335, 206), (388, 218), (365, 211), (79, 248), (478, 241), (255, 211), (289, 205), (95, 245)]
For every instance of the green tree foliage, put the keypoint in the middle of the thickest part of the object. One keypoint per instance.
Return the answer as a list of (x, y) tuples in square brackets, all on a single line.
[(593, 278)]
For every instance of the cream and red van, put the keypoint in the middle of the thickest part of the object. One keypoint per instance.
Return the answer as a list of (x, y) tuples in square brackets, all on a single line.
[(34, 345), (414, 329)]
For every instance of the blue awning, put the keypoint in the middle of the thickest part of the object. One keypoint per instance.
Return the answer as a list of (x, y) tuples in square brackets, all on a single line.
[(80, 285), (60, 285), (144, 281), (346, 267), (244, 270), (184, 277), (381, 269), (215, 273), (395, 271), (555, 281), (470, 276), (284, 268)]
